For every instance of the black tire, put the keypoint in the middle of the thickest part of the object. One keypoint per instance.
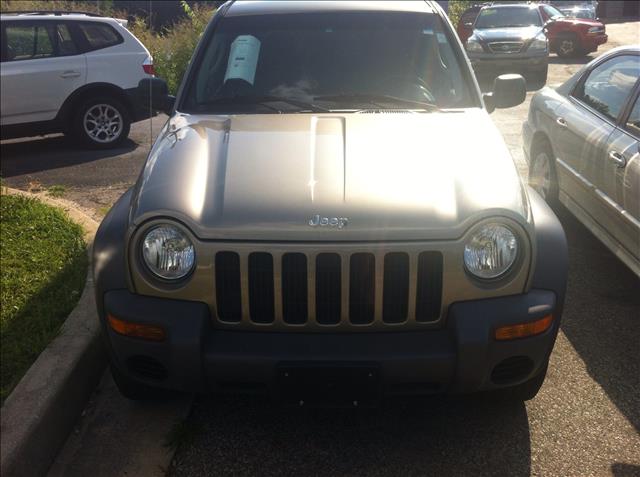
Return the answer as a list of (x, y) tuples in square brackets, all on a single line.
[(550, 193), (529, 389), (101, 140), (539, 78), (134, 390), (568, 46)]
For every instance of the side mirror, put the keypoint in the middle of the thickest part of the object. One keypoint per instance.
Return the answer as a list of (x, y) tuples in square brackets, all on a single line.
[(154, 93), (508, 91)]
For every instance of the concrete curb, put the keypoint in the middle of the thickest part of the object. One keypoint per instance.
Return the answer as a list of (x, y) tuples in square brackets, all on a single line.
[(41, 411)]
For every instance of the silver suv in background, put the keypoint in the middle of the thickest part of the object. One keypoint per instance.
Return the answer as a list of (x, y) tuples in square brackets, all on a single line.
[(509, 39), (72, 73)]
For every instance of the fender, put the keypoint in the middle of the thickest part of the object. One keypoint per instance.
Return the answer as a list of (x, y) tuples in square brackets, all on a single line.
[(552, 257), (109, 266)]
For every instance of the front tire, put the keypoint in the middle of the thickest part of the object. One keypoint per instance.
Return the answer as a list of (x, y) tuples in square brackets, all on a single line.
[(134, 390), (101, 123), (539, 77), (568, 47)]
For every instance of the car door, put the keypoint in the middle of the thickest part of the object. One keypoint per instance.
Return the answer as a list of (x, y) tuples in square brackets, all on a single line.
[(41, 66), (585, 124), (622, 178)]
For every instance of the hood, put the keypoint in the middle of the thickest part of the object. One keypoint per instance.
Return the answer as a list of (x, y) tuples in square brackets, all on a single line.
[(507, 34), (580, 21), (371, 176)]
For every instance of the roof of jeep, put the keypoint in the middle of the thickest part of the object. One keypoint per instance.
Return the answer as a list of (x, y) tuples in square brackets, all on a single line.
[(249, 7)]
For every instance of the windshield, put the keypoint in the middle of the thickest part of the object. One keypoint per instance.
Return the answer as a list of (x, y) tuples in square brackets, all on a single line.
[(580, 13), (328, 61), (508, 17)]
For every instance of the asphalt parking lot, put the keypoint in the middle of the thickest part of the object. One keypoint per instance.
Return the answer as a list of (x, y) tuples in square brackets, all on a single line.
[(585, 421)]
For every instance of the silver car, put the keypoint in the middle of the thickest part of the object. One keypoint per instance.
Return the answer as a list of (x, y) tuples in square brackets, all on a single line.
[(582, 142), (330, 215), (509, 39)]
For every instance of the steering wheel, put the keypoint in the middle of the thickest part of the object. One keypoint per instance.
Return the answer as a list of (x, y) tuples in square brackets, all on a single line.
[(412, 87)]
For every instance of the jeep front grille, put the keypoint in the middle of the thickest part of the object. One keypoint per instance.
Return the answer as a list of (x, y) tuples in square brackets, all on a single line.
[(263, 289), (506, 46)]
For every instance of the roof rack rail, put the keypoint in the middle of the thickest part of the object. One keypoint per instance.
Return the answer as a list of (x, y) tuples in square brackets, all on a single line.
[(50, 12)]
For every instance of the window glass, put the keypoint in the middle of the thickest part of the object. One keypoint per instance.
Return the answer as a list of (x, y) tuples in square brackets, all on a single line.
[(99, 35), (66, 46), (28, 42), (608, 85), (633, 121), (508, 17), (312, 57), (553, 12)]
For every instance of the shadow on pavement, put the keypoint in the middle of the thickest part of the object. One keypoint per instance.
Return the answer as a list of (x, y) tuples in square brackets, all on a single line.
[(625, 470), (602, 317), (21, 157), (431, 436)]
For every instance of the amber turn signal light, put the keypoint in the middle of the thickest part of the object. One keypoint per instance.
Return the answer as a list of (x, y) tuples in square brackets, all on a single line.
[(136, 330), (523, 330)]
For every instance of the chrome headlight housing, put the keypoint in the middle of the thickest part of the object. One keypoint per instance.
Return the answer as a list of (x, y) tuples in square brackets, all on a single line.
[(473, 46), (490, 251), (168, 252), (539, 43)]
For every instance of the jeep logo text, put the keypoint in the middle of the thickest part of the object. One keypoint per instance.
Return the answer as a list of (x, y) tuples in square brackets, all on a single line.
[(339, 222)]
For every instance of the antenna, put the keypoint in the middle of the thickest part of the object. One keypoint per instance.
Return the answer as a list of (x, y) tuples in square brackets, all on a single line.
[(150, 89)]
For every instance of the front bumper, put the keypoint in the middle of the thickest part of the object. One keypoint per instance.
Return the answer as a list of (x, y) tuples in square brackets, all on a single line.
[(458, 358), (591, 42), (495, 65)]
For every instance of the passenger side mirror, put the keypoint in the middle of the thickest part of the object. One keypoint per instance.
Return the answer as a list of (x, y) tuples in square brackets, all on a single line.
[(508, 91), (154, 92)]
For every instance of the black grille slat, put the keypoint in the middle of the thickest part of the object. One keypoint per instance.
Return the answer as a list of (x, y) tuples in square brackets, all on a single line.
[(261, 300), (328, 288), (228, 293), (429, 286), (294, 288), (395, 295), (362, 288)]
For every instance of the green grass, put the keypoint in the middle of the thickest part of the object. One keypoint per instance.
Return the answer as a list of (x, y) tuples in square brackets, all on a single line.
[(43, 269), (56, 190)]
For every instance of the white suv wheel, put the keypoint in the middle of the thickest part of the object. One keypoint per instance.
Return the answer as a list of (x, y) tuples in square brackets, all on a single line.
[(102, 123)]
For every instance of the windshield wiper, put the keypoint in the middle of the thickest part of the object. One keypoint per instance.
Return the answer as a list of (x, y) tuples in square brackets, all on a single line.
[(376, 100), (264, 101)]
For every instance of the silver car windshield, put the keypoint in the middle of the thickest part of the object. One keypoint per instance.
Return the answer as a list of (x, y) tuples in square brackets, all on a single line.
[(328, 61)]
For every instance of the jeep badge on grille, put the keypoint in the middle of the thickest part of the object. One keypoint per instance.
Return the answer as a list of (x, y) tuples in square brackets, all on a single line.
[(339, 222)]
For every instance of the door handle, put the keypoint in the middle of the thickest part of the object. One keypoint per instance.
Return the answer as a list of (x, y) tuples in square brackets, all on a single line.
[(618, 159), (70, 74), (561, 122)]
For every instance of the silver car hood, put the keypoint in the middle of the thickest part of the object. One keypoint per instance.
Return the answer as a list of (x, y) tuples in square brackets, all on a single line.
[(378, 176)]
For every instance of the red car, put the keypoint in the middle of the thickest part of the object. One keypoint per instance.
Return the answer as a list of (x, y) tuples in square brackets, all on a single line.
[(567, 36)]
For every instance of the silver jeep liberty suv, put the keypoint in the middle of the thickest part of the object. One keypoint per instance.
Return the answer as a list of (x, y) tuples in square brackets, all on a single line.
[(330, 215)]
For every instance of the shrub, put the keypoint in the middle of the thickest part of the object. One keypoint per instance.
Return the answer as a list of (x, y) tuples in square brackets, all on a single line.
[(457, 8), (172, 48)]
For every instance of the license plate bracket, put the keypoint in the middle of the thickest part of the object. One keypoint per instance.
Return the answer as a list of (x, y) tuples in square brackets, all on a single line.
[(329, 385)]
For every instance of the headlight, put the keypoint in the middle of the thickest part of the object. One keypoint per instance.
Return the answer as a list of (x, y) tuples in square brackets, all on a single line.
[(539, 43), (168, 252), (491, 251), (594, 29), (474, 47)]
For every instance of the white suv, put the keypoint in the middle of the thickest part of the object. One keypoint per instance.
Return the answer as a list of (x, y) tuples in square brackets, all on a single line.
[(74, 73)]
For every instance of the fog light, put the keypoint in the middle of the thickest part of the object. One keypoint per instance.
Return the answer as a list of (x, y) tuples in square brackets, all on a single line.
[(136, 330), (523, 330)]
